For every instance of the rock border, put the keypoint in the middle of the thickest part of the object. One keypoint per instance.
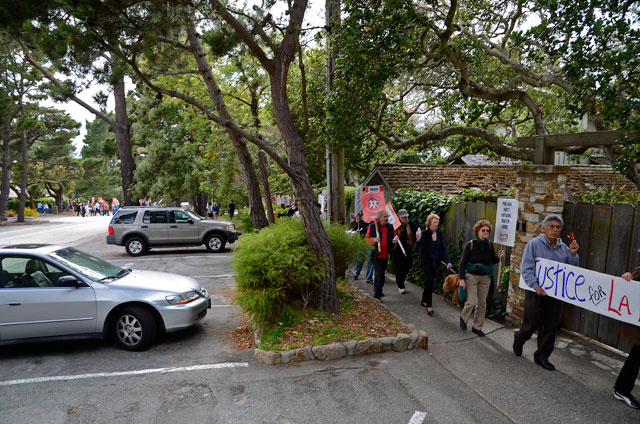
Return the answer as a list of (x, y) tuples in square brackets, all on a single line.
[(400, 343)]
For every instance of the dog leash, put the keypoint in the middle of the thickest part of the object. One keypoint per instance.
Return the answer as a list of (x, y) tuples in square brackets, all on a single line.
[(450, 270)]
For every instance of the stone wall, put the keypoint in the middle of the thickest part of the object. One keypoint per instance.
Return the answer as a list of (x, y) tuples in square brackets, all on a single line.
[(541, 190)]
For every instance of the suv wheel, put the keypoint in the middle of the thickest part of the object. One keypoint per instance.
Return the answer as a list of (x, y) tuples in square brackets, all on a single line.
[(136, 246), (135, 328), (215, 243)]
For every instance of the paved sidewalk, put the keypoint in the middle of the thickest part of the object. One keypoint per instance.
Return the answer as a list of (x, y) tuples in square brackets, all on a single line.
[(579, 390)]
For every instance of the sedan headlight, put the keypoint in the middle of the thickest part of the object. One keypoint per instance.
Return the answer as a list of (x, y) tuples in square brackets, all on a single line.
[(182, 298), (230, 228)]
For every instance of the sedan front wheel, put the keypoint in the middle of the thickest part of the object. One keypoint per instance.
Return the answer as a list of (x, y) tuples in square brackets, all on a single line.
[(215, 243), (135, 328)]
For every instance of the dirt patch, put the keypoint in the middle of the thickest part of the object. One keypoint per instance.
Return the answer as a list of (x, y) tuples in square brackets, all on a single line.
[(361, 317)]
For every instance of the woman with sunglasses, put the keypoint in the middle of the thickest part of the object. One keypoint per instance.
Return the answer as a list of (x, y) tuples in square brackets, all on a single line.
[(476, 274)]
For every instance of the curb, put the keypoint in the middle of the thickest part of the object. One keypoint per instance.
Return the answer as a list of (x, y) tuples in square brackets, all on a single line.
[(400, 343)]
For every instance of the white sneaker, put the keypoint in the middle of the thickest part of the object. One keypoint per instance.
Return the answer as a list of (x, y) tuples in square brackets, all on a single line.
[(402, 291)]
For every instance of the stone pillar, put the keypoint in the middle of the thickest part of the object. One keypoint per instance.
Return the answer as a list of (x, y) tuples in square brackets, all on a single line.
[(541, 190)]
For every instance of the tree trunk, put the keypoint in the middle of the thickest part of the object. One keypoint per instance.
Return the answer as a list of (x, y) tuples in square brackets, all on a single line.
[(23, 183), (314, 230), (6, 171), (265, 182), (200, 203), (255, 199), (123, 140)]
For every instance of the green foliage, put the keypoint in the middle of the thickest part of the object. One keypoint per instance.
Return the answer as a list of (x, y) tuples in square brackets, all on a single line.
[(276, 270), (246, 224), (609, 195), (420, 204)]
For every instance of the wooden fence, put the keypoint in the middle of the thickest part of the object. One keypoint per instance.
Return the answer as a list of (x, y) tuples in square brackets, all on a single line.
[(458, 229), (609, 238)]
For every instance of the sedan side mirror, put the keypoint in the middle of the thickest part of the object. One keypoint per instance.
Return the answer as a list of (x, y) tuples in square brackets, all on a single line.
[(68, 281), (190, 221)]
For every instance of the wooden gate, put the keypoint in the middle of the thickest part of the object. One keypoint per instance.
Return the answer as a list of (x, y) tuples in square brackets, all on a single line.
[(609, 238)]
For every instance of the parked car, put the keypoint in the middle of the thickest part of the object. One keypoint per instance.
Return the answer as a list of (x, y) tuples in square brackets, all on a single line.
[(140, 228), (49, 292)]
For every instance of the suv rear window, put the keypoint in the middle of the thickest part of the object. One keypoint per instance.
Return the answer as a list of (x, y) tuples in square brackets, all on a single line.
[(125, 218), (154, 217)]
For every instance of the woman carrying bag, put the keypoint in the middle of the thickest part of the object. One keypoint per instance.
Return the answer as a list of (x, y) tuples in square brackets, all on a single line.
[(476, 274)]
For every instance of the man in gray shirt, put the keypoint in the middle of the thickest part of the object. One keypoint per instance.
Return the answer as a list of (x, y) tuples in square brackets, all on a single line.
[(541, 312)]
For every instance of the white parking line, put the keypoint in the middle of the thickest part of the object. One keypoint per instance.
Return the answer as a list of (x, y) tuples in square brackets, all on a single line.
[(123, 373), (418, 417)]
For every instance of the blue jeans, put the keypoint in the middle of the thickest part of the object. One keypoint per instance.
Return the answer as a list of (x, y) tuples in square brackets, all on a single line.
[(360, 258)]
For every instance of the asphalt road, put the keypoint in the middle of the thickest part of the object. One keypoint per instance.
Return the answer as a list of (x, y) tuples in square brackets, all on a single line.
[(196, 376)]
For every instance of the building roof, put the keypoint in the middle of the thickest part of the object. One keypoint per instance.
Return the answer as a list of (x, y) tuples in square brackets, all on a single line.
[(453, 179)]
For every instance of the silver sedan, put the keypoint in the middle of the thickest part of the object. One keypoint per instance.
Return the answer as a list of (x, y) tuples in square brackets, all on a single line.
[(50, 292)]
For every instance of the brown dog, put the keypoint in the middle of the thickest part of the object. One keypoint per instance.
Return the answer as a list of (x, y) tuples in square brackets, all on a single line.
[(450, 285)]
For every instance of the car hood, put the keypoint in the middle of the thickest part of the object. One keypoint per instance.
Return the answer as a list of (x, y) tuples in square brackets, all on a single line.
[(154, 280), (217, 222)]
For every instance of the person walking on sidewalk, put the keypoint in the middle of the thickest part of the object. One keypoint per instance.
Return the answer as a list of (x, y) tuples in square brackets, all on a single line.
[(380, 235), (403, 259), (361, 226), (629, 372), (432, 249), (476, 275), (542, 312)]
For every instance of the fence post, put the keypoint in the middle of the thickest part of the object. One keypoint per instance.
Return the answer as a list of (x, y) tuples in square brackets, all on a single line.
[(541, 190)]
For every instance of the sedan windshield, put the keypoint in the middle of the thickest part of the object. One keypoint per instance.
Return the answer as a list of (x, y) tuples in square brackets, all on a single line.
[(89, 266)]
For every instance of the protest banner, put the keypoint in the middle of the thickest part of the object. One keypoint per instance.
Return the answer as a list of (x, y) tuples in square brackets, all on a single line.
[(594, 291), (393, 218), (506, 220), (372, 199)]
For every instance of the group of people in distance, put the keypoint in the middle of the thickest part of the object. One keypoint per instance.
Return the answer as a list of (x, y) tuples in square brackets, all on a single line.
[(542, 313), (213, 210)]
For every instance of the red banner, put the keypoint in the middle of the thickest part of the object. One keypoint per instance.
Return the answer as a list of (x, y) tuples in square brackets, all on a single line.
[(371, 204)]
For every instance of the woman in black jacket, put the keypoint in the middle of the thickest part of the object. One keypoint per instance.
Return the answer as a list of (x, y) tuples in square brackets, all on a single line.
[(432, 249)]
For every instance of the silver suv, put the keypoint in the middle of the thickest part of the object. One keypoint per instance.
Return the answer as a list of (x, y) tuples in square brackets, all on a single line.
[(140, 228)]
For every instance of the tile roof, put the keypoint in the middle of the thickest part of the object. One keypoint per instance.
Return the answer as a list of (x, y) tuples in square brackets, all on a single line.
[(451, 179)]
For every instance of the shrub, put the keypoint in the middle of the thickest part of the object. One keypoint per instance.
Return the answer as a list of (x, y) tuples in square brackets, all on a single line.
[(277, 272), (609, 195), (10, 213), (30, 212)]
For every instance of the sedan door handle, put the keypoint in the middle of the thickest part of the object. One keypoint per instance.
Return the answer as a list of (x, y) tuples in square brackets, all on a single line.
[(14, 303), (173, 226), (144, 226)]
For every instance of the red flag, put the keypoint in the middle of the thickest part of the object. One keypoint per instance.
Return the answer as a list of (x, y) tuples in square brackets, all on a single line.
[(393, 218)]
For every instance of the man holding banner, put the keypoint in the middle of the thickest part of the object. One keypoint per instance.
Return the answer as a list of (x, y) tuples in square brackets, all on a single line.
[(542, 312)]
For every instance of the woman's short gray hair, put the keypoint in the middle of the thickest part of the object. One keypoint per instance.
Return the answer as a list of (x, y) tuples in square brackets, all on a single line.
[(550, 218)]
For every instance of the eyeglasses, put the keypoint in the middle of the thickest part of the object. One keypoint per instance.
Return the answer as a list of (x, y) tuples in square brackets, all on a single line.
[(485, 230)]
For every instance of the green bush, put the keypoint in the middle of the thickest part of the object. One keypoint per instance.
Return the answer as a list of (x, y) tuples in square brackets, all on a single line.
[(277, 272), (30, 212), (246, 224), (609, 195)]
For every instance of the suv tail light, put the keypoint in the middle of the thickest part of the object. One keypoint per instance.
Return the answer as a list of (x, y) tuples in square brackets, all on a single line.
[(110, 230)]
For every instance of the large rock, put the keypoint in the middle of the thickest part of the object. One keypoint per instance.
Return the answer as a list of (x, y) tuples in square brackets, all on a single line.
[(266, 357), (330, 351), (351, 347), (423, 340), (367, 347), (302, 354), (400, 342), (414, 339), (387, 342)]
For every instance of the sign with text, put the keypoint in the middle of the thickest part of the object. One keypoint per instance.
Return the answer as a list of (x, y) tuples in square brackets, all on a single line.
[(601, 293), (506, 219), (372, 199)]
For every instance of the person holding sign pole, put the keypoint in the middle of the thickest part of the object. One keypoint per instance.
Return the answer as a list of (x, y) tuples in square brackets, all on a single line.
[(542, 312), (629, 372), (431, 249), (380, 235), (403, 252), (476, 274)]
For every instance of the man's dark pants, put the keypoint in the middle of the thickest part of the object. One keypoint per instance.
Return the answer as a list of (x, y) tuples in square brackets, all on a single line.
[(629, 372), (379, 268), (542, 313)]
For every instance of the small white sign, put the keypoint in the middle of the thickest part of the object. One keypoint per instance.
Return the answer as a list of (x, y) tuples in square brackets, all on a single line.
[(506, 219), (601, 293)]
